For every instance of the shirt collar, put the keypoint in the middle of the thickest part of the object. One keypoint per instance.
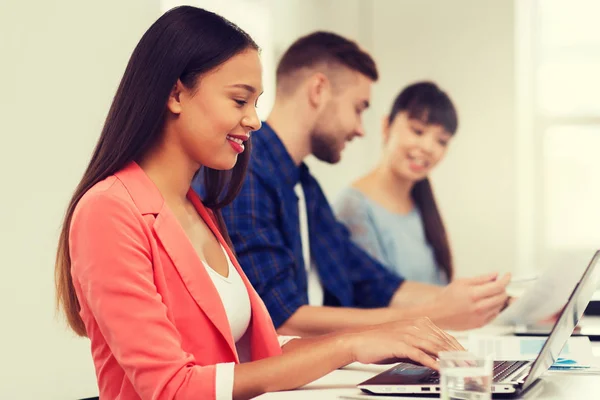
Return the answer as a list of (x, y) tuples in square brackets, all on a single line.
[(285, 165)]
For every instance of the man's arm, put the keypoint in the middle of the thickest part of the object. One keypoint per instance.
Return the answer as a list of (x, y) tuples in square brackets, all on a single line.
[(469, 304), (311, 320), (463, 304), (412, 293), (472, 303)]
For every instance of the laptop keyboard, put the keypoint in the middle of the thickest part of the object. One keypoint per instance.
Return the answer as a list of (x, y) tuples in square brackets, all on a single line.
[(505, 369), (502, 370)]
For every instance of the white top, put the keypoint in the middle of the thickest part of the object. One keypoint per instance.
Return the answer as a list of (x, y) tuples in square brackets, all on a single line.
[(313, 281), (236, 302), (398, 241), (234, 297)]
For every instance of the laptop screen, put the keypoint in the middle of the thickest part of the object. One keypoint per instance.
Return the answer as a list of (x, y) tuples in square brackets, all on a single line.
[(569, 318)]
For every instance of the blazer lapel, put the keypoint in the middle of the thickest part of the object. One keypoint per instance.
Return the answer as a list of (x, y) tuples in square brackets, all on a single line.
[(192, 272), (149, 200), (209, 219), (264, 337), (171, 235)]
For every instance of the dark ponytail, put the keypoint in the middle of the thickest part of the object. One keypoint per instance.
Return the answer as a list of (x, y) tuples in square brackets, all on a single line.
[(426, 102)]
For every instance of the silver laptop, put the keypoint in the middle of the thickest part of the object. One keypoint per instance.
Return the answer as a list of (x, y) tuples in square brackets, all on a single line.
[(510, 377)]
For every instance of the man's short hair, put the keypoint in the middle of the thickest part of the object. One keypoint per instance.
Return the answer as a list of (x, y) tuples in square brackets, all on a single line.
[(327, 49)]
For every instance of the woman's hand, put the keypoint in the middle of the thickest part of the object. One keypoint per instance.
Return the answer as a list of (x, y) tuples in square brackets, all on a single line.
[(417, 339)]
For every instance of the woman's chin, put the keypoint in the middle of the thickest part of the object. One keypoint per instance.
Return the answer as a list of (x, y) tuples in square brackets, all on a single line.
[(223, 165), (410, 175)]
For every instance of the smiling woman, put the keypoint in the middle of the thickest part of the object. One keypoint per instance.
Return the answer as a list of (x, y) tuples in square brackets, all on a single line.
[(392, 212), (144, 266)]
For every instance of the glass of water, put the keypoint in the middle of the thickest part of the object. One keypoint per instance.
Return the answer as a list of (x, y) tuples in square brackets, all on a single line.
[(465, 376)]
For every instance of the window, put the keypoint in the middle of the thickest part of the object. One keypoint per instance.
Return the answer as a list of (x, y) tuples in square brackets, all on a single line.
[(559, 70)]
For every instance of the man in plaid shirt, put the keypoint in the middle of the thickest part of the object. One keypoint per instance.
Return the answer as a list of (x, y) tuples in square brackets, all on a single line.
[(301, 260)]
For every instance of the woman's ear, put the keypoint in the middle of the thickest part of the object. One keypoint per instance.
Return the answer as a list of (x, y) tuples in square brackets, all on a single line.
[(174, 101), (385, 128)]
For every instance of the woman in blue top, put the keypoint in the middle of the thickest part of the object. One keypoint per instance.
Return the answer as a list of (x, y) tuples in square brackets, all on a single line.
[(391, 212)]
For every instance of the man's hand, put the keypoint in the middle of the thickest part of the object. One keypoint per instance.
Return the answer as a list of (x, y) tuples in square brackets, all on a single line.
[(472, 302)]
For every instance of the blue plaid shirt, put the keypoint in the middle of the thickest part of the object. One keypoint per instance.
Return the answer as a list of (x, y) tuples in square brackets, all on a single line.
[(264, 226)]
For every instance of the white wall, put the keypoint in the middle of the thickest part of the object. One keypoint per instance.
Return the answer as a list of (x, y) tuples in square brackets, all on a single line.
[(60, 65)]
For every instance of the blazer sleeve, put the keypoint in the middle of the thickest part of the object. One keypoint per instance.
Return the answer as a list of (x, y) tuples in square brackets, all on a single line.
[(112, 271)]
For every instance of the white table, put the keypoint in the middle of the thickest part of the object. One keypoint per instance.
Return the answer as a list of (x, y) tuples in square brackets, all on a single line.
[(553, 386)]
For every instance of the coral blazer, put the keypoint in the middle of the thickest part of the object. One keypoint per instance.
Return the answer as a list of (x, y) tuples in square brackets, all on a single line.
[(155, 320)]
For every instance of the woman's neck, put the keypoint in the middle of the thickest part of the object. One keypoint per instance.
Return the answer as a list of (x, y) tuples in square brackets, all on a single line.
[(171, 172)]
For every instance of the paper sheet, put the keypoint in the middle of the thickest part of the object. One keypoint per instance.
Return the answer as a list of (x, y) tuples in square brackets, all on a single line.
[(546, 296)]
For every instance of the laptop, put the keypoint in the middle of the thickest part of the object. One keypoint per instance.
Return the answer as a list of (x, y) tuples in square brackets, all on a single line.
[(511, 378)]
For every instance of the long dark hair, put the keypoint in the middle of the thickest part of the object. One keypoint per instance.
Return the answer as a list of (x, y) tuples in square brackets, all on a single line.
[(426, 102), (182, 44)]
